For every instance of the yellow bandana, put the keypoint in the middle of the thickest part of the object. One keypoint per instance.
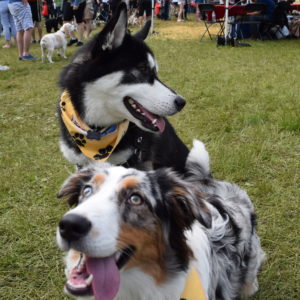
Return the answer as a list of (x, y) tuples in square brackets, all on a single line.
[(193, 289), (93, 143)]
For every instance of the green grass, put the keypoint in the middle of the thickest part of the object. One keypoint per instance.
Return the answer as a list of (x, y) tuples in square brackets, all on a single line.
[(242, 102)]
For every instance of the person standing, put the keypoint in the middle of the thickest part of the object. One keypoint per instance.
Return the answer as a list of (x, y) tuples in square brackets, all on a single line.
[(22, 16), (8, 23), (144, 11), (74, 8), (88, 18), (36, 11), (181, 11)]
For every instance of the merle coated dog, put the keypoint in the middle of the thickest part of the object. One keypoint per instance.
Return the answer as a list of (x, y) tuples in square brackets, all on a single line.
[(140, 235)]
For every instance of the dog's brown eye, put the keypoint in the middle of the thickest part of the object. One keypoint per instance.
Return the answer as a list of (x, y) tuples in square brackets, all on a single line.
[(135, 200), (87, 191)]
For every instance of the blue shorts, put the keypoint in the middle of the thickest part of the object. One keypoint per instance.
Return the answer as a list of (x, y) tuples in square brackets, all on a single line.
[(21, 14)]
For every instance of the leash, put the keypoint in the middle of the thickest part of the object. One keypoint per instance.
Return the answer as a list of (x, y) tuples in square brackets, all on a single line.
[(193, 289), (97, 144)]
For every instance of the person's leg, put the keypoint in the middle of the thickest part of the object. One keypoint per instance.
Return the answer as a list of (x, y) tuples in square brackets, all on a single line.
[(180, 13), (80, 30), (148, 8), (33, 8), (20, 37), (27, 41), (12, 26), (198, 14), (88, 27), (80, 24), (39, 30), (33, 34), (67, 11), (27, 25), (4, 15), (141, 13), (39, 19)]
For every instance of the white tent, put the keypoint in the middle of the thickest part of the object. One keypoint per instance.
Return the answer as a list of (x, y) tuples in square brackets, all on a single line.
[(226, 22)]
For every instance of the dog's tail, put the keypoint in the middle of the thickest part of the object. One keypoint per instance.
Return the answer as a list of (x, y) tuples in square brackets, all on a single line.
[(197, 163), (43, 43)]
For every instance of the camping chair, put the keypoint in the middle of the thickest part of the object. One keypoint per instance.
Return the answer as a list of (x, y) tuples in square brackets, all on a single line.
[(279, 20), (244, 19), (209, 10)]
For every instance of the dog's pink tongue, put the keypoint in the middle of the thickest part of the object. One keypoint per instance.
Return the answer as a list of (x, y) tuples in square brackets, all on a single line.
[(106, 277), (159, 121)]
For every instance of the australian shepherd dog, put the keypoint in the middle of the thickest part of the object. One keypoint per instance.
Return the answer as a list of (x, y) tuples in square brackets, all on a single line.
[(138, 235)]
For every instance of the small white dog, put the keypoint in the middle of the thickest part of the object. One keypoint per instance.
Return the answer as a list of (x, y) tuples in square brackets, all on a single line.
[(57, 41)]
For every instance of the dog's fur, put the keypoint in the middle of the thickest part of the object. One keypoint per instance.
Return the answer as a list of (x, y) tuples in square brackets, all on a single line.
[(166, 225), (57, 40), (113, 67)]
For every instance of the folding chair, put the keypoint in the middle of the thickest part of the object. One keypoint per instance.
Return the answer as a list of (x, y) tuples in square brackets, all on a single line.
[(209, 10), (279, 20)]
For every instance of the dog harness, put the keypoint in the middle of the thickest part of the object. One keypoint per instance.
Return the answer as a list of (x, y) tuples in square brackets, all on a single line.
[(193, 289), (97, 144)]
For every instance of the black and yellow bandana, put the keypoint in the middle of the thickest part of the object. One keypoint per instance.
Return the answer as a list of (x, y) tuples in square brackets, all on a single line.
[(97, 144)]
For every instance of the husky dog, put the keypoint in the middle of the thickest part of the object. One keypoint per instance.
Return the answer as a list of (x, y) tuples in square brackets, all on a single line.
[(56, 40), (113, 80), (139, 235)]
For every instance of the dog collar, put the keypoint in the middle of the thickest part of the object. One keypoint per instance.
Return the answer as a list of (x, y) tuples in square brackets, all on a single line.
[(193, 289), (97, 144)]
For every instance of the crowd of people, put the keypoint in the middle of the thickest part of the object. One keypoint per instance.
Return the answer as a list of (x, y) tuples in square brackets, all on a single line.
[(21, 20)]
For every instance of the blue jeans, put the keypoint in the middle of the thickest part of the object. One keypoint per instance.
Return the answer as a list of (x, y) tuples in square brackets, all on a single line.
[(7, 21)]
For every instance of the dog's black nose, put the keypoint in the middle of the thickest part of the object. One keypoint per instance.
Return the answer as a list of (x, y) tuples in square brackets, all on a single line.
[(179, 102), (72, 227)]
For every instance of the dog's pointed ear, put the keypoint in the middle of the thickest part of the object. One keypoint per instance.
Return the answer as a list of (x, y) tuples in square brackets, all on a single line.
[(115, 30), (143, 33), (72, 187)]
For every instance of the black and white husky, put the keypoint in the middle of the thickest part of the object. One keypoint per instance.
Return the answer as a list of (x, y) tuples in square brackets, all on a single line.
[(114, 78)]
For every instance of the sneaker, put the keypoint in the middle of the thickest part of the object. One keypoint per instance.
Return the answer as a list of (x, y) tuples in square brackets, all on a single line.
[(29, 57), (72, 41), (20, 58), (79, 43)]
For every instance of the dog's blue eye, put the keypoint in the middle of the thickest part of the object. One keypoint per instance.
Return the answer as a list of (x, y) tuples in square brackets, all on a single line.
[(87, 191), (135, 200)]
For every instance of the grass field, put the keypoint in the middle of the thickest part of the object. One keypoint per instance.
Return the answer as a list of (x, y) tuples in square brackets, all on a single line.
[(242, 102)]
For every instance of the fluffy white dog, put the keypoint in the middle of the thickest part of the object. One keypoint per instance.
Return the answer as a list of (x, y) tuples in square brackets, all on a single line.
[(57, 41)]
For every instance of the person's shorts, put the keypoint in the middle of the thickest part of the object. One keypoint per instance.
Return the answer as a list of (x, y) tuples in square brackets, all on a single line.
[(145, 6), (36, 11), (69, 13), (21, 14), (88, 11)]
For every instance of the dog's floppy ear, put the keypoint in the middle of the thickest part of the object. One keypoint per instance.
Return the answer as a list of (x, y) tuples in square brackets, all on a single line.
[(115, 30), (184, 203), (179, 208), (72, 187), (143, 33)]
